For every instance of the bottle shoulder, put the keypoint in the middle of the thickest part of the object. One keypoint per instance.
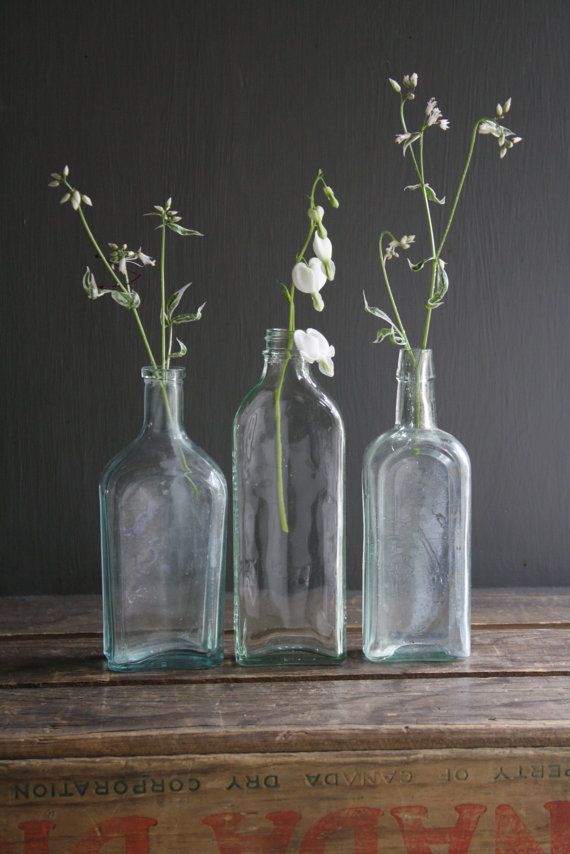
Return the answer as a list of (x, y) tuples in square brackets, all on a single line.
[(150, 455), (403, 442), (296, 394)]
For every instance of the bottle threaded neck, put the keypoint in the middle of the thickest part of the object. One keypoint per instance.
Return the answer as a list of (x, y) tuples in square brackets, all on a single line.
[(163, 375)]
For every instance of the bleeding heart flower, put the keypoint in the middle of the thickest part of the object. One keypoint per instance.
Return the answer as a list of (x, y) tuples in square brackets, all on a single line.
[(314, 347)]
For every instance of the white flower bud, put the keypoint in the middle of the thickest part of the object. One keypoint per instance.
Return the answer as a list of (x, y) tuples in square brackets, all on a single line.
[(502, 152), (168, 203), (516, 139), (322, 247), (395, 86), (53, 184), (507, 105), (414, 79), (65, 198), (75, 199), (87, 200), (499, 110), (65, 171)]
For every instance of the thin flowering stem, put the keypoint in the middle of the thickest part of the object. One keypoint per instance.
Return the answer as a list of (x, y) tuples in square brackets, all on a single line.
[(163, 296), (125, 289), (279, 388), (448, 226), (110, 269), (401, 328)]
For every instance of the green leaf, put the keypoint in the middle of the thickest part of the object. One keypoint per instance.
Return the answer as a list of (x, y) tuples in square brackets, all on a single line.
[(182, 352), (174, 300), (430, 193), (189, 318), (129, 300), (420, 265), (184, 232)]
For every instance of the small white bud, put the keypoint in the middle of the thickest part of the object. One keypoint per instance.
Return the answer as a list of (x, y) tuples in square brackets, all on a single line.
[(75, 199), (414, 79), (507, 105), (53, 184), (395, 85), (516, 139), (56, 175), (168, 202), (65, 171), (65, 198), (499, 110), (87, 200), (502, 152)]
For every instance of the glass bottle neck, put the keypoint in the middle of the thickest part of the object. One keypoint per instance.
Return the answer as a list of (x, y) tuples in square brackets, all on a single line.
[(415, 401), (277, 354), (163, 400)]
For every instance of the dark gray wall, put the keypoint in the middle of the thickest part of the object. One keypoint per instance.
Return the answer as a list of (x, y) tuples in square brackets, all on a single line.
[(231, 107)]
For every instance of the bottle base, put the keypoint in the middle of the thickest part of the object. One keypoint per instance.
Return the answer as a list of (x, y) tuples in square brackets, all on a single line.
[(176, 659), (411, 652), (288, 657)]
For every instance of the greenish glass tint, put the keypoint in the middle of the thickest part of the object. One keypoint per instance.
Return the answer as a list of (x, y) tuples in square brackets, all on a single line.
[(163, 516), (417, 530), (289, 587)]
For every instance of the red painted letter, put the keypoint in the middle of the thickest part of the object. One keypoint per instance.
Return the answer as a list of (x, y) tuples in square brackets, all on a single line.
[(363, 821), (418, 839), (225, 827), (511, 834), (36, 836), (559, 826), (132, 828)]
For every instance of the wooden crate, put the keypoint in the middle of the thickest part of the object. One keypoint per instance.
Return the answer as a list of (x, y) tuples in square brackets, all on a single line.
[(465, 757)]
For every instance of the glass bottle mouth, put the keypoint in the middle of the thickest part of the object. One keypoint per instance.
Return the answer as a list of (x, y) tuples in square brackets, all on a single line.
[(163, 375), (277, 339), (415, 365)]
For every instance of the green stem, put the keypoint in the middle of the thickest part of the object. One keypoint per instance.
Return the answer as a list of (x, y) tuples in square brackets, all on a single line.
[(450, 220), (100, 253), (279, 388), (112, 272), (384, 234), (277, 403), (163, 296), (170, 328)]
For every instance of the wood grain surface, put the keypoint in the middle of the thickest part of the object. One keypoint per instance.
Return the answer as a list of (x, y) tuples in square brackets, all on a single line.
[(466, 757), (230, 107)]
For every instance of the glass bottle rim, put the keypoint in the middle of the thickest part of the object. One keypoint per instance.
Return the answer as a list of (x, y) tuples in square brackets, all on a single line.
[(168, 375)]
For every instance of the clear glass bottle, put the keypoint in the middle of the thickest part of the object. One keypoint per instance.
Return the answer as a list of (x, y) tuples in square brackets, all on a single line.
[(289, 587), (163, 516), (417, 530)]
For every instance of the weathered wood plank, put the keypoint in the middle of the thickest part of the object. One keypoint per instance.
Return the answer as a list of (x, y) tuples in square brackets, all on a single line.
[(78, 661), (479, 800), (401, 714), (23, 616)]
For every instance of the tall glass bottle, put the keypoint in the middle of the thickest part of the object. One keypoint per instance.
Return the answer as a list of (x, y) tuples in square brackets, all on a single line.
[(289, 585), (163, 511), (417, 529)]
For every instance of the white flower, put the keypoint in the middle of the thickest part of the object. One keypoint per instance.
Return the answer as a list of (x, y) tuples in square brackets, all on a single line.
[(395, 86), (404, 242), (75, 199), (310, 279), (402, 137), (488, 127), (145, 260), (314, 347), (322, 247), (434, 115), (410, 80)]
